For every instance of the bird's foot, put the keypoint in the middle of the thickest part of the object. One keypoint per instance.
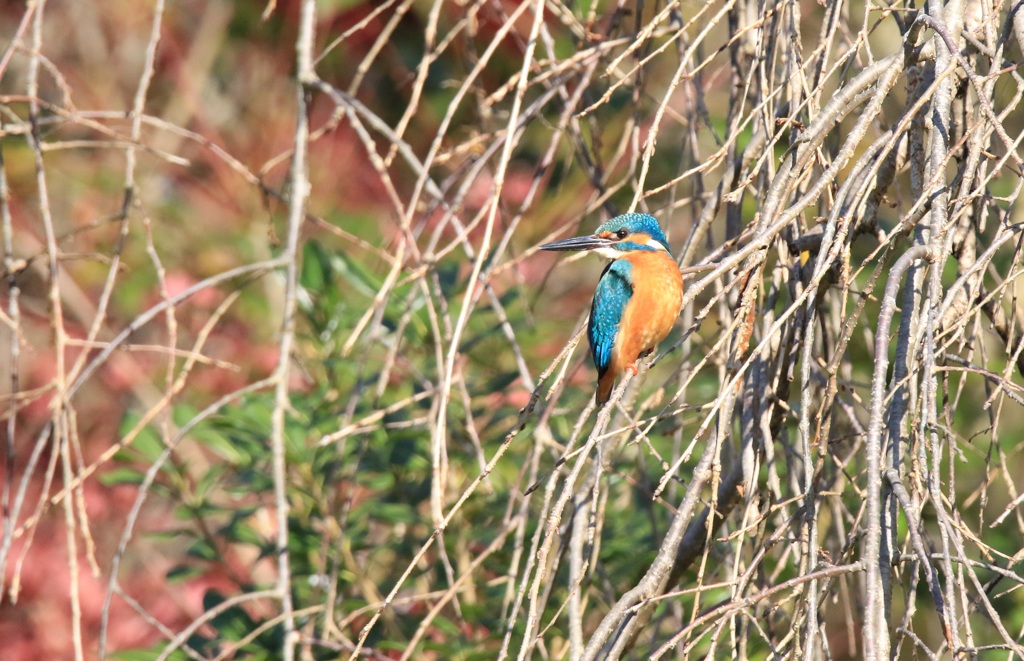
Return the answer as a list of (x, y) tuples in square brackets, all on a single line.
[(593, 36), (632, 368)]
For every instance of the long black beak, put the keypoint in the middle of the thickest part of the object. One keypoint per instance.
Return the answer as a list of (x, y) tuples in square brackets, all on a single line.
[(578, 243)]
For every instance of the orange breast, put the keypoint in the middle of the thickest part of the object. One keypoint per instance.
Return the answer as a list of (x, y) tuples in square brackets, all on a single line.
[(653, 308)]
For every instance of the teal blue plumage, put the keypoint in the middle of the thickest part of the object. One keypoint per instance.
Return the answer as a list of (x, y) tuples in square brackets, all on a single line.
[(614, 290), (635, 223)]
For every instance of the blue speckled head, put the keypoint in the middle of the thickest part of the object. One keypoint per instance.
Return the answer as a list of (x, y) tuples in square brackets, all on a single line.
[(633, 223)]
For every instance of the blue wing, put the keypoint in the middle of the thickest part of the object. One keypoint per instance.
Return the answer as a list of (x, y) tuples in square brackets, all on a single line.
[(614, 290)]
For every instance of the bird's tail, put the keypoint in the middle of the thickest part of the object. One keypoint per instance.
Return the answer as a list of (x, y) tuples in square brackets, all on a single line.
[(604, 387)]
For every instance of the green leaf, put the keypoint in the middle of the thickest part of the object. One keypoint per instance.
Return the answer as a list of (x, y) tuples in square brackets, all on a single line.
[(316, 267), (393, 512), (122, 475), (148, 442), (203, 550), (220, 444), (181, 573)]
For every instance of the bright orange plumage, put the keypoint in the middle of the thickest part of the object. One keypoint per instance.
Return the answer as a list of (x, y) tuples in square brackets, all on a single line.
[(648, 317), (637, 299)]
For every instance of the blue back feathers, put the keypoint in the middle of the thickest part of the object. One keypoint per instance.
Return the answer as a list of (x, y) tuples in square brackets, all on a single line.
[(614, 290), (634, 223)]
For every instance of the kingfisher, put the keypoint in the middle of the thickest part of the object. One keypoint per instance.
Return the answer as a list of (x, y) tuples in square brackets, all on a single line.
[(638, 297)]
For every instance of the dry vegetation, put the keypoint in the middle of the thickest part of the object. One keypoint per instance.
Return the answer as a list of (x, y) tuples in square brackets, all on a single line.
[(285, 374)]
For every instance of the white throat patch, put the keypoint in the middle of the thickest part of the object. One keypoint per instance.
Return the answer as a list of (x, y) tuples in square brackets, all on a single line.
[(609, 252)]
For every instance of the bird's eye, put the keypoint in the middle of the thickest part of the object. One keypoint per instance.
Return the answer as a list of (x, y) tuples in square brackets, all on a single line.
[(622, 233)]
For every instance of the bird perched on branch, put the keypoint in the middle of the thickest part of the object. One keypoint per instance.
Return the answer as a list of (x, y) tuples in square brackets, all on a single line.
[(638, 296)]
